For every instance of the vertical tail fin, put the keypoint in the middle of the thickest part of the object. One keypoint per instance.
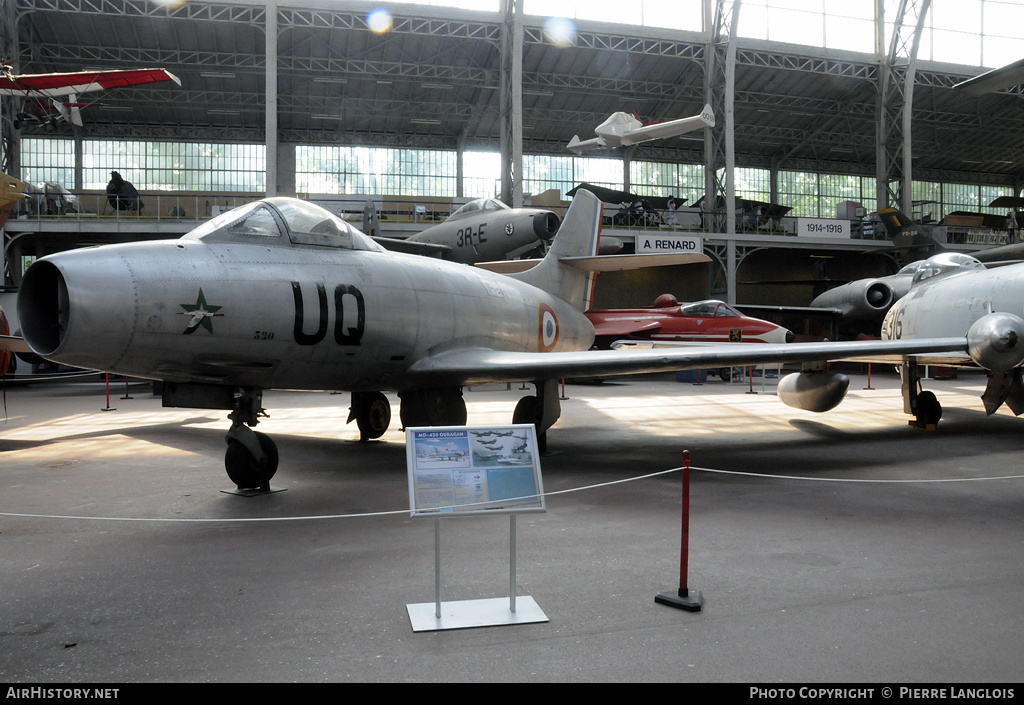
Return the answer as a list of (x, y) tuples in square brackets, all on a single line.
[(578, 236)]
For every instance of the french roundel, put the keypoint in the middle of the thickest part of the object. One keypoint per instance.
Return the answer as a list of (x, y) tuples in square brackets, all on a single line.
[(547, 332)]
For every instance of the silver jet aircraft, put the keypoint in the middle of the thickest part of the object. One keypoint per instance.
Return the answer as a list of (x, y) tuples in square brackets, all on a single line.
[(480, 231), (953, 293), (282, 294)]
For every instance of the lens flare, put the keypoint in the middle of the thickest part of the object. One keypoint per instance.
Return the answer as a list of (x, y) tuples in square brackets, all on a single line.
[(560, 31), (379, 20)]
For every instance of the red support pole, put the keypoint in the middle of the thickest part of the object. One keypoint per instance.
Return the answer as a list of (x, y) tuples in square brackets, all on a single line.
[(684, 598), (106, 377), (684, 533)]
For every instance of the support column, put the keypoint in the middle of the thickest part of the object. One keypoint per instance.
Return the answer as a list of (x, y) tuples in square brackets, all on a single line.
[(271, 119), (512, 104)]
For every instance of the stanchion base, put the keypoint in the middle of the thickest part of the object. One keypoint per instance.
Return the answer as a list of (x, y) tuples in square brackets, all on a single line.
[(254, 491), (691, 601)]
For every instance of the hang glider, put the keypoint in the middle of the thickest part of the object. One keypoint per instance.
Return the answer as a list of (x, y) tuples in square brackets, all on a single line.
[(52, 97)]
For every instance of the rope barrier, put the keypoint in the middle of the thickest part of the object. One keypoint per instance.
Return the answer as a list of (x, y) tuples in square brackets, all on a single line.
[(584, 488)]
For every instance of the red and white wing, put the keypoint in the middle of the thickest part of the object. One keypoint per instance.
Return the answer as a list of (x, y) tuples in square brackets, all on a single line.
[(57, 85)]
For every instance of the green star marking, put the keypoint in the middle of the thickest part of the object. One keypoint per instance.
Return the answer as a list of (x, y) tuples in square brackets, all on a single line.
[(200, 314)]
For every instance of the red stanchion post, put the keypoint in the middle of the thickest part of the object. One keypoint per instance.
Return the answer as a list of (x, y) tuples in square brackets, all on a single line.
[(127, 395), (869, 377), (108, 407), (684, 598)]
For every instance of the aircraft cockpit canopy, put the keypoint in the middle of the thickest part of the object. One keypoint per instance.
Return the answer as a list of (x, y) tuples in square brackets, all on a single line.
[(479, 205), (708, 309), (944, 264), (283, 220)]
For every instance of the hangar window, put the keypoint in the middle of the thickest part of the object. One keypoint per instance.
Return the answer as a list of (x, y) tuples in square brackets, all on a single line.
[(48, 161)]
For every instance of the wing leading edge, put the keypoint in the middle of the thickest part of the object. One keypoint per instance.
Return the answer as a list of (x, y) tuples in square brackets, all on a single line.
[(480, 365), (57, 85)]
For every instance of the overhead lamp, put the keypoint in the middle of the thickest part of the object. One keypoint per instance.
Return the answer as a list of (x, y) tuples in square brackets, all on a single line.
[(214, 74), (425, 121)]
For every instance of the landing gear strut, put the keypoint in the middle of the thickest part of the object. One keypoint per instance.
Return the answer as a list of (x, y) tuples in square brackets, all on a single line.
[(372, 414), (251, 458), (541, 410)]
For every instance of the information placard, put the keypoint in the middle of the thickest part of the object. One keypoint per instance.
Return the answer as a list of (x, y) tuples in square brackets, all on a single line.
[(822, 227), (473, 470)]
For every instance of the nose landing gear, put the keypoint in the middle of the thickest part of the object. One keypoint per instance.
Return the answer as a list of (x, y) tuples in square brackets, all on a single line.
[(251, 458)]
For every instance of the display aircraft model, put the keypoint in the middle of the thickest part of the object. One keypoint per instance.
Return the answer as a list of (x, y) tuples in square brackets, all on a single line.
[(52, 97), (869, 299), (697, 322), (480, 231), (282, 294), (623, 129)]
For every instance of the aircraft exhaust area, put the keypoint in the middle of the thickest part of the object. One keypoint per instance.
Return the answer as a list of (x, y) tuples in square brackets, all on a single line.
[(852, 548)]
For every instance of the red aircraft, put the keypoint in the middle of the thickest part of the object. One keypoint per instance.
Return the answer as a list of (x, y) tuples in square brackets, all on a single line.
[(699, 322), (39, 88)]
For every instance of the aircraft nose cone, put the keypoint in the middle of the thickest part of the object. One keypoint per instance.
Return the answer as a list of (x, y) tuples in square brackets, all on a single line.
[(790, 336)]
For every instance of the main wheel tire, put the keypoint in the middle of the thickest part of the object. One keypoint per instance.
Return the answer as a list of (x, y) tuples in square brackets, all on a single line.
[(243, 468), (373, 414), (929, 411), (527, 410), (433, 407)]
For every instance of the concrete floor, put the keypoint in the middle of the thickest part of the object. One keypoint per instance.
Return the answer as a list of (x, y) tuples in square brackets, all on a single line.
[(858, 550)]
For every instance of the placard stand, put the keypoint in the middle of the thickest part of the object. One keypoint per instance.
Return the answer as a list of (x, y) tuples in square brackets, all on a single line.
[(466, 614)]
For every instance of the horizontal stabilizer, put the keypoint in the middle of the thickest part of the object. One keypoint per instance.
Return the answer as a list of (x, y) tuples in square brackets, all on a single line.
[(428, 249)]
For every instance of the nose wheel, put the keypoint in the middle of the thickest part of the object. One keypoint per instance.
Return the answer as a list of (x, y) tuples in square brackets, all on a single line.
[(248, 467)]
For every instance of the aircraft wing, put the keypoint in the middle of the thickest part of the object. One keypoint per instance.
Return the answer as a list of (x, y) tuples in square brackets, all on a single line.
[(14, 343), (671, 128), (995, 80), (624, 327), (601, 263), (480, 365), (57, 85)]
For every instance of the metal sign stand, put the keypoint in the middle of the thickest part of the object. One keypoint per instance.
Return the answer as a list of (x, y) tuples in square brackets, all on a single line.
[(464, 614)]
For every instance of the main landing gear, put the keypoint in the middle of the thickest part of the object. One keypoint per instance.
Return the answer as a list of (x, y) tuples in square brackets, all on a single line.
[(541, 410), (372, 413), (251, 458), (922, 405)]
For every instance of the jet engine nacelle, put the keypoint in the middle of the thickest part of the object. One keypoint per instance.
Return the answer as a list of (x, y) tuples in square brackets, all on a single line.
[(545, 225), (996, 341), (865, 298), (813, 390)]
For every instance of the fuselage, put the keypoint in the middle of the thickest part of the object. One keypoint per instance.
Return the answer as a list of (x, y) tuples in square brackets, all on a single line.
[(486, 230), (699, 322), (948, 303), (255, 300)]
